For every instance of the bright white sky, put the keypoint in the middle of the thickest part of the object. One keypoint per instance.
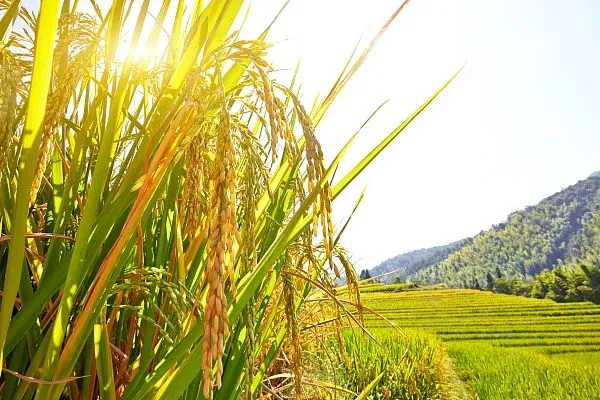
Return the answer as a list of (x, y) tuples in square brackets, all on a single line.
[(520, 123)]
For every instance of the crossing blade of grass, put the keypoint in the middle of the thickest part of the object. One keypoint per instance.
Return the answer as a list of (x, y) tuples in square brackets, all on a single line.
[(30, 142), (362, 164), (104, 362), (8, 19), (97, 292), (348, 72), (367, 390)]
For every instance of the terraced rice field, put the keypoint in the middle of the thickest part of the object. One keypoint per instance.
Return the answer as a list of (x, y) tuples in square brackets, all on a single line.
[(510, 347), (500, 320)]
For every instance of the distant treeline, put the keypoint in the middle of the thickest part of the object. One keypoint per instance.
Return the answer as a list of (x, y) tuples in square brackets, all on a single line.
[(561, 284)]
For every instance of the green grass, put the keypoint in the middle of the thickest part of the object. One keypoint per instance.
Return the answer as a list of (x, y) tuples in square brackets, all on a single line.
[(583, 357), (509, 347), (524, 374)]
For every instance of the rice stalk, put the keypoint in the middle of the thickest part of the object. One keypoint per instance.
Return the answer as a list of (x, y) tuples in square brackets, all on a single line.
[(290, 296)]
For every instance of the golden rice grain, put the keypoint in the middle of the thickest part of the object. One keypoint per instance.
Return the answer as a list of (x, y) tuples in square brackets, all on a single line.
[(10, 76), (194, 183), (222, 219)]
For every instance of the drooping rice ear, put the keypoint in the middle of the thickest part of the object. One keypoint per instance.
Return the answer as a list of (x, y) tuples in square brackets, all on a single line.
[(316, 170), (71, 71), (194, 183), (9, 76), (351, 282), (271, 112), (223, 224)]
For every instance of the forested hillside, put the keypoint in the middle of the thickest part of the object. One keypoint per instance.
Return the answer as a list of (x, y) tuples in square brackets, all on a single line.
[(554, 232)]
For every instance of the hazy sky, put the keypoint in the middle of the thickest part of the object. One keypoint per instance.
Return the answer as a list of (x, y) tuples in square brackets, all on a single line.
[(520, 122)]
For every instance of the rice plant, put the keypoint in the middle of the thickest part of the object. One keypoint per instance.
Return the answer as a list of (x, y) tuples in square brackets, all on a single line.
[(407, 365), (165, 221)]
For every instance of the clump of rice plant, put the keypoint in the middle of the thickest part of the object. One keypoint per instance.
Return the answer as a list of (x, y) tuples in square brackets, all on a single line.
[(165, 222), (405, 366)]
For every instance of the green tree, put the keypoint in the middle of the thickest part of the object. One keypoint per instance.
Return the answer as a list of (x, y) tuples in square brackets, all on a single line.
[(489, 280), (365, 274)]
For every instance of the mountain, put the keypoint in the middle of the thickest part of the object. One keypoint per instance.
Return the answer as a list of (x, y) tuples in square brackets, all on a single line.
[(550, 233), (406, 265)]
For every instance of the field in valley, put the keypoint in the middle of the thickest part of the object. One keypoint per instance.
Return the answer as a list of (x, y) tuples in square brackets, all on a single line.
[(507, 347)]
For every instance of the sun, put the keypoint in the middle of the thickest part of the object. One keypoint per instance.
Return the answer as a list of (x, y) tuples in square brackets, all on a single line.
[(142, 53)]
